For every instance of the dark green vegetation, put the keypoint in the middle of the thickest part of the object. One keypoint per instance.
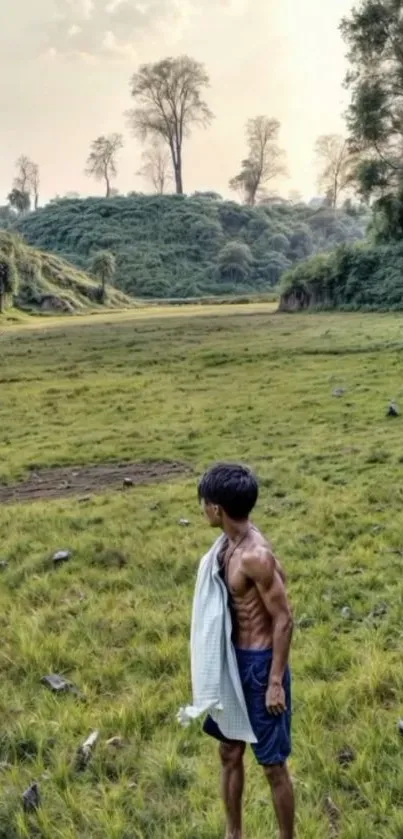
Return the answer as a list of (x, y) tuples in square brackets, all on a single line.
[(367, 277), (34, 280), (173, 246), (350, 278), (195, 388)]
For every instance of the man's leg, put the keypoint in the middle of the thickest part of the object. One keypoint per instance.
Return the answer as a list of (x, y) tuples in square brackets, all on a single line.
[(232, 786), (283, 798)]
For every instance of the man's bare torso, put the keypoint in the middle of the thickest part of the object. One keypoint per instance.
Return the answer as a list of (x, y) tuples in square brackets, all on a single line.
[(252, 625)]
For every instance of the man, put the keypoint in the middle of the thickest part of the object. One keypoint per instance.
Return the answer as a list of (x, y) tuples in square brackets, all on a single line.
[(261, 635)]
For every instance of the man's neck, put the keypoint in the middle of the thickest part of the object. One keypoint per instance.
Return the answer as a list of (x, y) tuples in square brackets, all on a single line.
[(236, 530)]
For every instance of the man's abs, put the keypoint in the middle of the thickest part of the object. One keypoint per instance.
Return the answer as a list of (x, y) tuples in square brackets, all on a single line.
[(252, 627)]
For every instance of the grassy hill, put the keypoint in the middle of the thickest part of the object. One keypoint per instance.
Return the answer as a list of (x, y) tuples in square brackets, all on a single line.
[(45, 282), (176, 247)]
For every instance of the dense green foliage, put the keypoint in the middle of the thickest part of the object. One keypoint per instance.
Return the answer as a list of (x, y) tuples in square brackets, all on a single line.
[(373, 33), (43, 281), (174, 246), (351, 277)]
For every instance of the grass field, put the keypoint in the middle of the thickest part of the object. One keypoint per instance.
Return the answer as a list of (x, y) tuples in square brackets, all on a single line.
[(195, 386)]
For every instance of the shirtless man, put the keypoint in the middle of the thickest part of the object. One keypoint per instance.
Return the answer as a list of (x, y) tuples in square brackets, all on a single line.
[(262, 631)]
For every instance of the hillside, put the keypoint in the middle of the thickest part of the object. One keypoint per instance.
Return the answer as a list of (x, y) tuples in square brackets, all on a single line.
[(174, 246), (45, 282), (366, 277)]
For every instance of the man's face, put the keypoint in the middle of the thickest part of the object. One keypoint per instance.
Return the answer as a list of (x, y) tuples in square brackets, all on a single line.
[(212, 513)]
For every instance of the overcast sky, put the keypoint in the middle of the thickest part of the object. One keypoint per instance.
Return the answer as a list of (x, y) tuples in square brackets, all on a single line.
[(65, 67)]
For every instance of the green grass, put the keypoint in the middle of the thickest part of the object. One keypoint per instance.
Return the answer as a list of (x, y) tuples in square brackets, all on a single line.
[(199, 385)]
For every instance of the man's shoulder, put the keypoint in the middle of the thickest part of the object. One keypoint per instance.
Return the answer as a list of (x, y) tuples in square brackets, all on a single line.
[(258, 559)]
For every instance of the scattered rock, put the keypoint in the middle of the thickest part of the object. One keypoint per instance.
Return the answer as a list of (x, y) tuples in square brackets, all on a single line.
[(116, 742), (31, 798), (58, 684), (4, 766), (3, 564), (184, 522), (346, 756), (86, 750), (379, 611), (84, 499), (338, 392), (128, 482), (333, 814), (400, 727), (61, 556), (393, 410), (346, 613)]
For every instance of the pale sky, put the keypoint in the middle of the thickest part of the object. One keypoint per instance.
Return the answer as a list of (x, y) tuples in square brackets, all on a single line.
[(65, 67)]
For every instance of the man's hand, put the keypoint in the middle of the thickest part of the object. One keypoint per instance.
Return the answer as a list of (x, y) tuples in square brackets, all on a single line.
[(275, 699)]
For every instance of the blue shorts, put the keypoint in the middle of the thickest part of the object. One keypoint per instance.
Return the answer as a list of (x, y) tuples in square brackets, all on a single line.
[(273, 733)]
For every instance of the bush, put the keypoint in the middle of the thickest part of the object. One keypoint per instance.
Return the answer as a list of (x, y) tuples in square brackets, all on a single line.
[(351, 277), (169, 246)]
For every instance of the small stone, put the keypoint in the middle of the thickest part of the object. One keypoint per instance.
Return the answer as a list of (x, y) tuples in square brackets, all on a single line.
[(393, 410), (3, 564), (128, 482), (338, 392), (84, 499), (184, 522), (346, 756), (346, 613), (86, 750), (61, 556), (4, 766), (400, 727), (116, 742), (31, 798), (58, 684)]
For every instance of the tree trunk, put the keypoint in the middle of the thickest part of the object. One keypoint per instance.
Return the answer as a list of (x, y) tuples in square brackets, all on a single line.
[(108, 186), (178, 172)]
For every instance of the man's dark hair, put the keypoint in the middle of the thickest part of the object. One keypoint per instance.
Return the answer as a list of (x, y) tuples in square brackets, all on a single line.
[(233, 487)]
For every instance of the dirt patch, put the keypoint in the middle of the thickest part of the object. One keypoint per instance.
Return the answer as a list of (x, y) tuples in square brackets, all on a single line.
[(89, 480)]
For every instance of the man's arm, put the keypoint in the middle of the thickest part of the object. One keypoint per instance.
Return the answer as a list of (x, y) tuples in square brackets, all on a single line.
[(260, 567)]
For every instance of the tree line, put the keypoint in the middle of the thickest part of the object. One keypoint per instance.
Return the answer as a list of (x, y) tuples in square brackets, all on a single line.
[(169, 103)]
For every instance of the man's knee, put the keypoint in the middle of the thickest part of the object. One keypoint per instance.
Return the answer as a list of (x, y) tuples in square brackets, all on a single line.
[(231, 754), (276, 774)]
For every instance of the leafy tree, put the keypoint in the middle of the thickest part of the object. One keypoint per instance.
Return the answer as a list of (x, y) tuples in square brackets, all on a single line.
[(169, 103), (101, 162), (7, 216), (6, 281), (27, 179), (264, 162), (336, 164), (234, 262), (156, 165), (374, 34), (103, 266), (19, 201)]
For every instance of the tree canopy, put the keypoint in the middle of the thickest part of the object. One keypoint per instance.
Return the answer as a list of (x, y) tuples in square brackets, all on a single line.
[(169, 102), (264, 162), (102, 159)]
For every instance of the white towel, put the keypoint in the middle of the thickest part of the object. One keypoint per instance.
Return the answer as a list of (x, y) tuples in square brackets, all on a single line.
[(216, 684)]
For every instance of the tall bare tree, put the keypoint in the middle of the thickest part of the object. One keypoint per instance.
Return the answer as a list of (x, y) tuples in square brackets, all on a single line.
[(26, 180), (102, 159), (156, 166), (169, 103), (336, 166), (264, 162)]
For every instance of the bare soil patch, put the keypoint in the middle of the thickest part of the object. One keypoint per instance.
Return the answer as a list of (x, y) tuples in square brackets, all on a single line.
[(65, 482)]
